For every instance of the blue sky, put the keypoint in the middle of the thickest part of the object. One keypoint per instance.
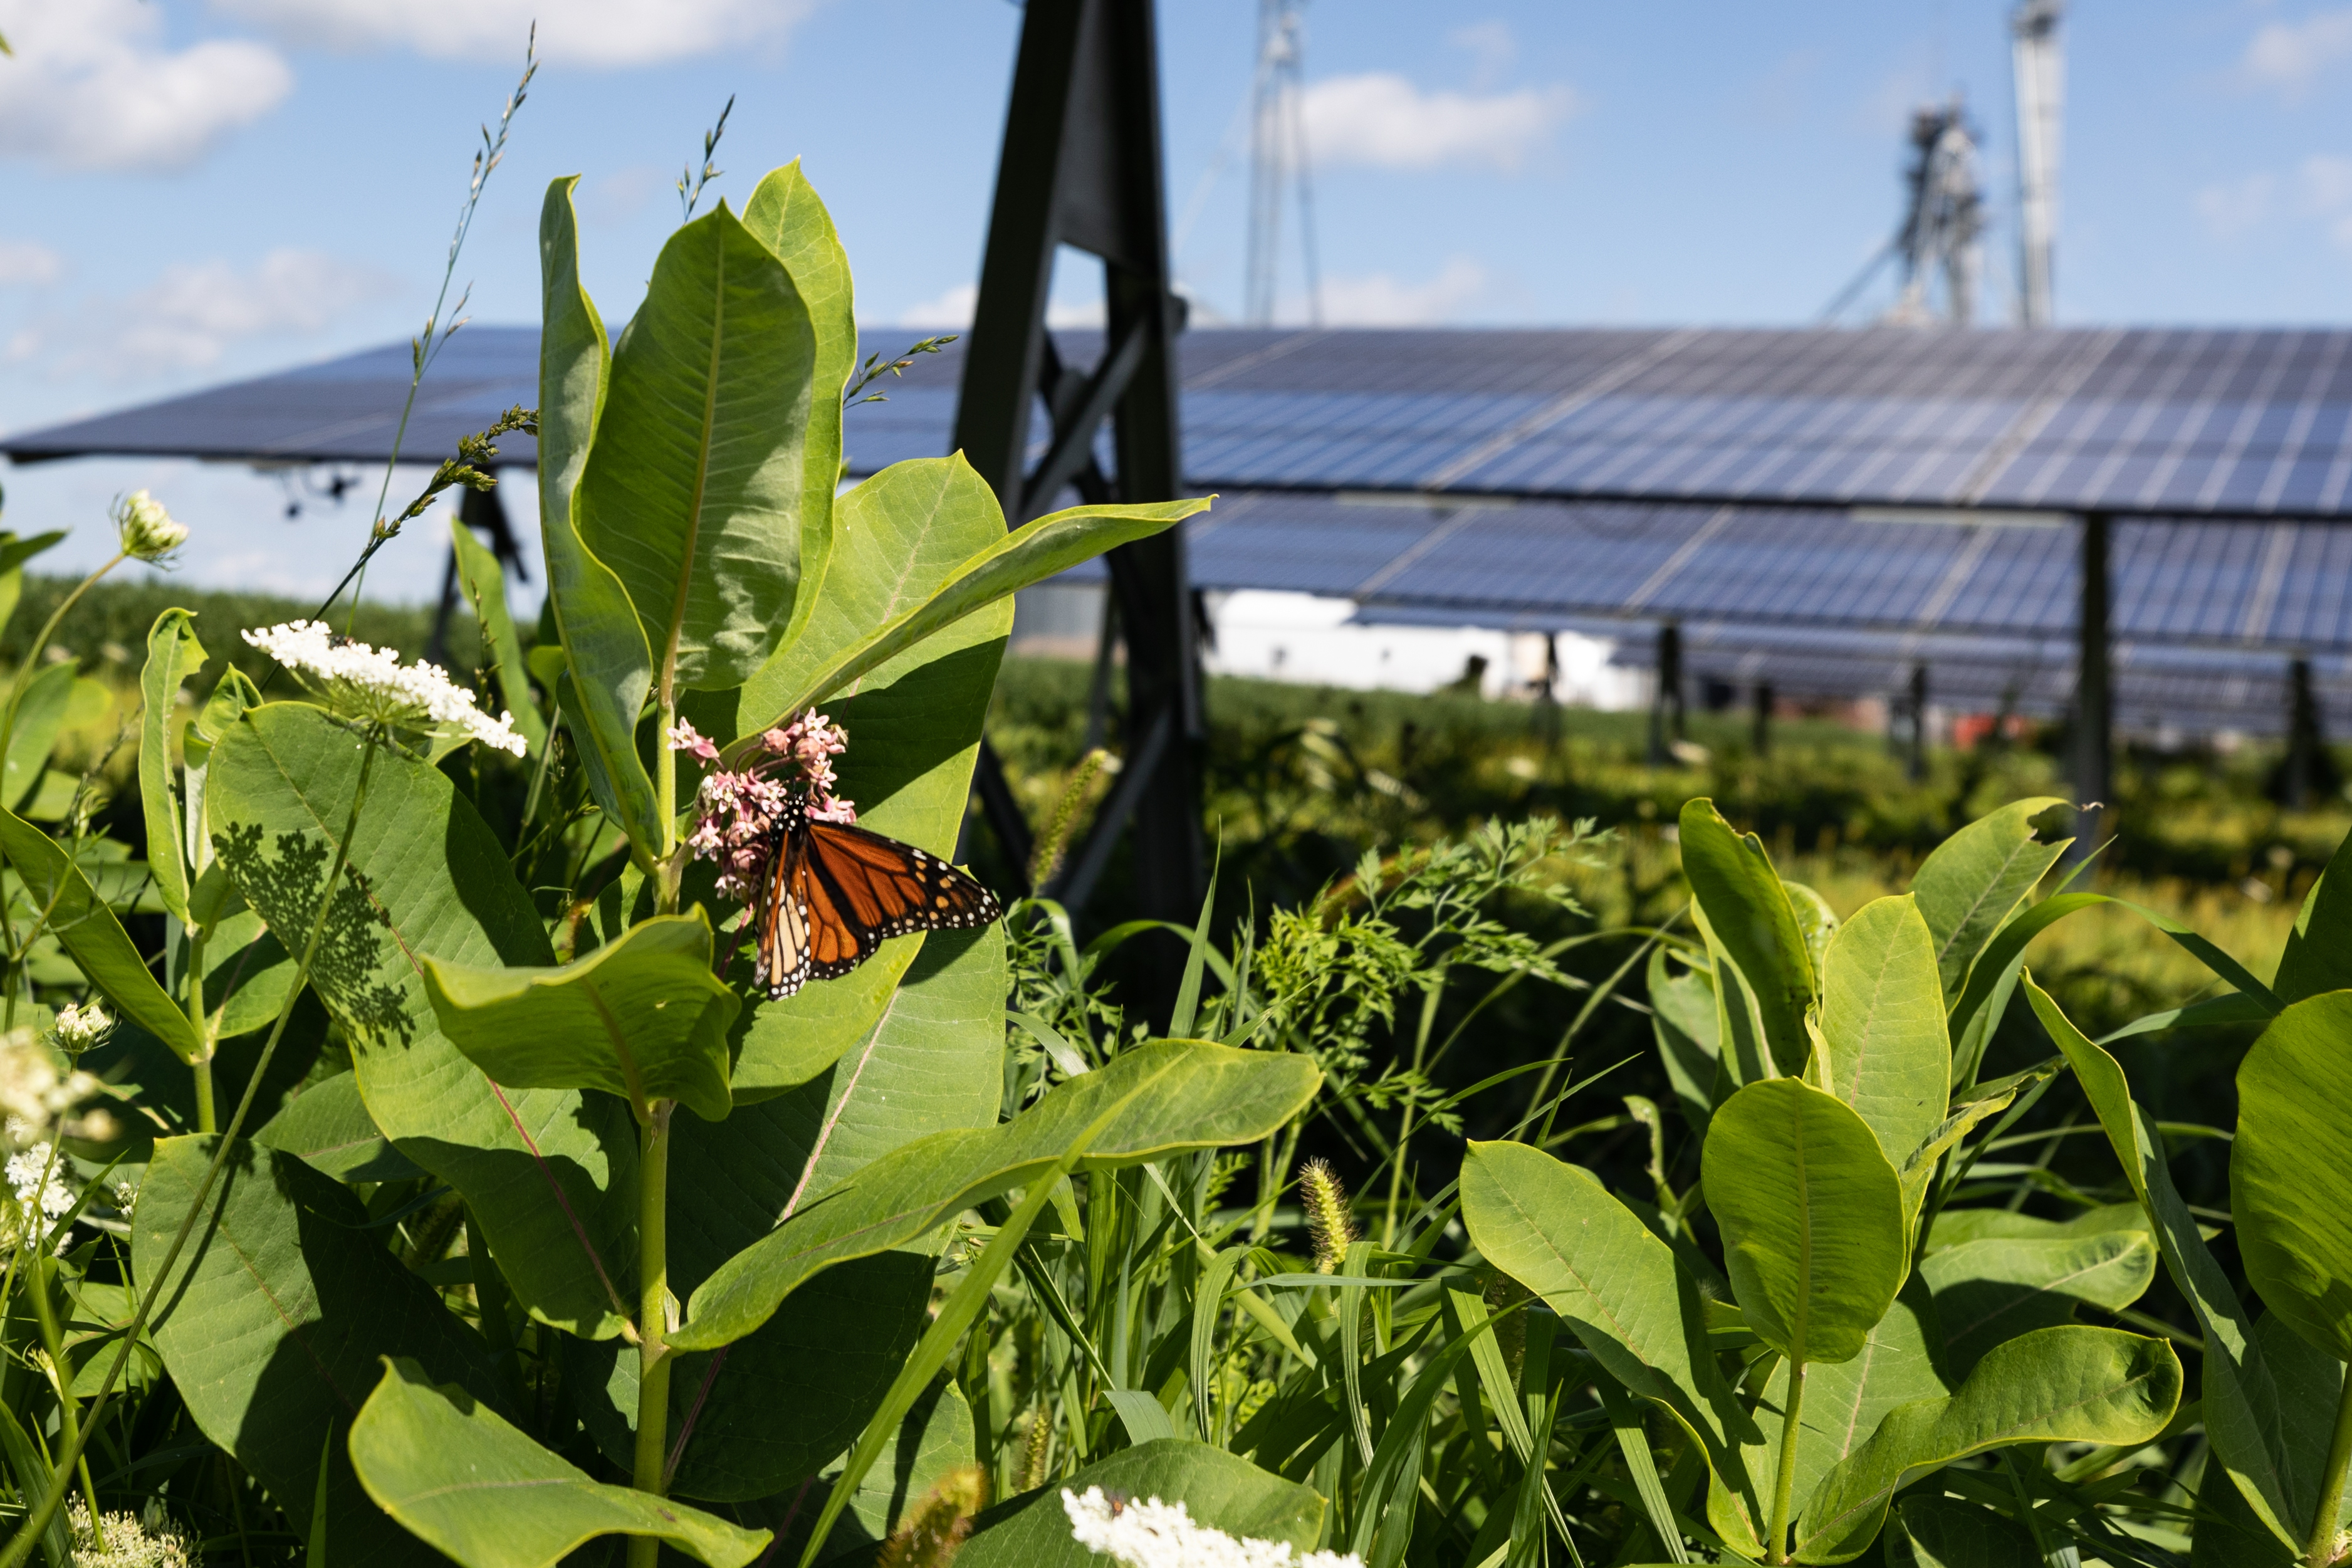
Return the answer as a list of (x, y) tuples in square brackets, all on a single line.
[(194, 190)]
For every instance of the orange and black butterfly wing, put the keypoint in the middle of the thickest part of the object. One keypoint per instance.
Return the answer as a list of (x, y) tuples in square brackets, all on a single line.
[(865, 888), (782, 922)]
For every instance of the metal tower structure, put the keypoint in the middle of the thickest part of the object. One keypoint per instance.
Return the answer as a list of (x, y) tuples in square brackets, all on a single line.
[(1081, 167), (1945, 220), (1278, 161), (2040, 70)]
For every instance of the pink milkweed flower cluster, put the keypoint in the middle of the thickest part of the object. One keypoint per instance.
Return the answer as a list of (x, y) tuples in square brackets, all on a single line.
[(741, 808)]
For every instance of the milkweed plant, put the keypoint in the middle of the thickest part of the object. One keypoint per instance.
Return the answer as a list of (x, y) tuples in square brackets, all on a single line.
[(403, 1162)]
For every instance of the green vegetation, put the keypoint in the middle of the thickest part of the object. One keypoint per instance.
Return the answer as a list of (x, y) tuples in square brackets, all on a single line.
[(417, 1150)]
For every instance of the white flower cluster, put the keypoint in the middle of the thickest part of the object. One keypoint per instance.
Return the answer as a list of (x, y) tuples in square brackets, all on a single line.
[(80, 1027), (147, 531), (149, 1540), (39, 1203), (369, 684), (1155, 1534), (33, 1093)]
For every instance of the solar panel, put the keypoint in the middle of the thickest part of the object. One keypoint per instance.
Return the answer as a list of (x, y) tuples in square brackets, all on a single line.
[(2230, 424), (2284, 587)]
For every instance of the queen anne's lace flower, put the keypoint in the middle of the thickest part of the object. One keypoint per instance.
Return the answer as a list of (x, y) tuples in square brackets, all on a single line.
[(1155, 1534), (741, 808), (372, 685), (146, 1540), (33, 1093)]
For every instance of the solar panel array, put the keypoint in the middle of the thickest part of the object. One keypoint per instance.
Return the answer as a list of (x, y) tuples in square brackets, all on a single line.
[(2178, 422), (2154, 688), (1555, 567)]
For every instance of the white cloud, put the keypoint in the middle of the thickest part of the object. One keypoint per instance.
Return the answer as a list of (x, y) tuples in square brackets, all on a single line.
[(585, 32), (2231, 209), (2289, 56), (1382, 120), (2326, 182), (950, 307), (189, 317), (22, 262), (1379, 299), (94, 86)]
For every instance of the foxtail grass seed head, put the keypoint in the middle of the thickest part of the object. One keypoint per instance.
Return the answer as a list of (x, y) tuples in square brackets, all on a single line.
[(371, 686), (1055, 841), (936, 1528), (148, 533), (1155, 1534), (1325, 1202), (80, 1026), (1038, 1450)]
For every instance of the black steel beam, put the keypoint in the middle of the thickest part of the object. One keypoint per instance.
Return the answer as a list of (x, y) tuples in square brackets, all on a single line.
[(2094, 691), (1081, 167)]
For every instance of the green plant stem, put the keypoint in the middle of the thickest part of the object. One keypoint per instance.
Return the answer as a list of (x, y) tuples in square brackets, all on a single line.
[(2320, 1550), (44, 1314), (37, 1519), (1784, 1487), (203, 1065), (653, 1319)]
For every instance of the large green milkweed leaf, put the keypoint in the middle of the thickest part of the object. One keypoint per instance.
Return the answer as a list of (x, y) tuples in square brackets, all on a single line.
[(40, 714), (1030, 553), (1846, 1400), (1171, 1095), (2290, 1199), (1217, 1489), (787, 217), (273, 1321), (2318, 955), (612, 670), (1886, 1052), (172, 655), (1813, 1218), (1987, 1291), (641, 1017), (81, 920), (2064, 1384), (2244, 1402), (486, 586), (1750, 920), (1553, 1227), (693, 489), (1974, 880), (934, 1062), (429, 880), (472, 1487), (914, 723)]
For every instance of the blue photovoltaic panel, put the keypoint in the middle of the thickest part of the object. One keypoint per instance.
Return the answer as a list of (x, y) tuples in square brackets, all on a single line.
[(2223, 423), (1534, 565)]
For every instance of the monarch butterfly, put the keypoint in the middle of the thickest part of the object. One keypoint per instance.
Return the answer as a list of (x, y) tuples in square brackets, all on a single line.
[(831, 893)]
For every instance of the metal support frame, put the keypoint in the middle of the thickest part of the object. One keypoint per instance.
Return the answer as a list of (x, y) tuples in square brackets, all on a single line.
[(1664, 731), (1081, 167), (482, 512), (1764, 700), (1915, 763), (2302, 770), (2094, 691)]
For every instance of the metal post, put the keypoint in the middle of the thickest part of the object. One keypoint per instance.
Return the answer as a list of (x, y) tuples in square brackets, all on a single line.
[(483, 512), (1081, 167), (1764, 701), (2303, 738), (1669, 694), (2093, 693), (1915, 765)]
